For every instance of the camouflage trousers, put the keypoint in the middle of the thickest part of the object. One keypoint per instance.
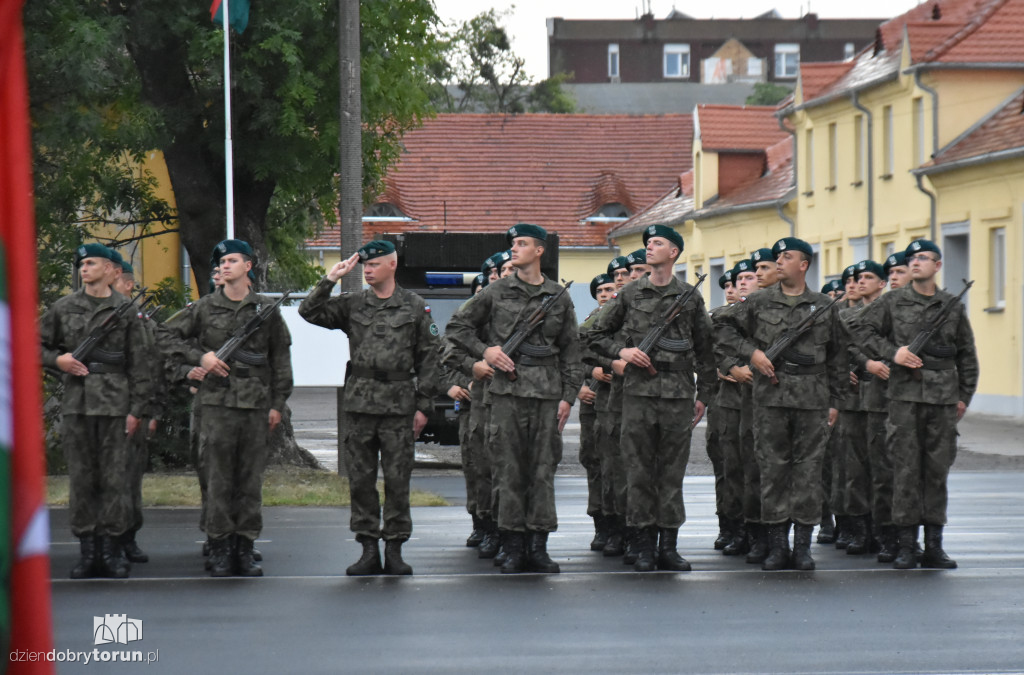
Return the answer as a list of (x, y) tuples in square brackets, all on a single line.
[(96, 451), (751, 466), (732, 498), (857, 471), (387, 439), (836, 452), (138, 457), (527, 449), (481, 459), (656, 447), (234, 444), (590, 458), (608, 436), (921, 438), (199, 463), (881, 469), (469, 467), (790, 445), (826, 472)]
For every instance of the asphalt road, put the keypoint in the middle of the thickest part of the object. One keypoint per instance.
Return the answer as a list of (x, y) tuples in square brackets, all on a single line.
[(458, 615)]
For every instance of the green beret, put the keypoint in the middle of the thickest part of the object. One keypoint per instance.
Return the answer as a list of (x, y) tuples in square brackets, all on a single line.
[(231, 246), (526, 230), (870, 266), (126, 267), (745, 265), (922, 245), (792, 244), (832, 286), (599, 280), (726, 278), (92, 250), (495, 261), (762, 255), (849, 272), (116, 257), (637, 257), (617, 263), (478, 281), (898, 259), (375, 249), (665, 232)]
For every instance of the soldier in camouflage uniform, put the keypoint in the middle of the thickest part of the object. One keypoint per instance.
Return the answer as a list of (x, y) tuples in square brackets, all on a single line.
[(928, 394), (241, 403), (659, 411), (791, 418), (896, 270), (104, 400), (530, 408), (827, 530), (389, 387), (845, 433)]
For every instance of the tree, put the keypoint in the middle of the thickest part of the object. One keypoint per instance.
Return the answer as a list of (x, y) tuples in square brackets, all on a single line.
[(768, 93), (481, 73)]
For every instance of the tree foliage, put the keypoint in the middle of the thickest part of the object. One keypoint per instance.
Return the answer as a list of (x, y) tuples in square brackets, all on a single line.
[(768, 93)]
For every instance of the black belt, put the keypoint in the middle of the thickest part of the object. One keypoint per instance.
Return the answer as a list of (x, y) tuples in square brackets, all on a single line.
[(929, 363), (98, 368), (672, 366), (798, 369), (525, 360), (381, 375)]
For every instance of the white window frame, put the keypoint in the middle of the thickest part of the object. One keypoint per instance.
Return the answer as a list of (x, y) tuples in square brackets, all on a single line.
[(614, 60), (997, 243), (809, 162), (753, 71), (833, 155), (849, 51), (782, 51), (860, 148), (918, 117), (888, 153), (680, 51)]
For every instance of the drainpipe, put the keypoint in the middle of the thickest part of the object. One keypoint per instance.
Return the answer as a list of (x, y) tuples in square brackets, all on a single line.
[(869, 141), (782, 214), (796, 175), (935, 147)]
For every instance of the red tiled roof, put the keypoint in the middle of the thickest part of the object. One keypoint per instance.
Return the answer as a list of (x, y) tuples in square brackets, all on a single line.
[(484, 173), (775, 184), (672, 208), (815, 77), (994, 34), (725, 127), (1003, 130)]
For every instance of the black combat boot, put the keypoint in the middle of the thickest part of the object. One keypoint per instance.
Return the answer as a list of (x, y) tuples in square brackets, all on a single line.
[(758, 535), (616, 545), (220, 561), (802, 559), (369, 562), (502, 554), (513, 543), (132, 550), (778, 548), (245, 562), (934, 556), (393, 563), (537, 558), (906, 542), (477, 535), (491, 542), (740, 544), (112, 559), (725, 532), (86, 567), (601, 532), (887, 538), (206, 549), (858, 543), (668, 557), (843, 532), (256, 555), (632, 546), (827, 530), (646, 559)]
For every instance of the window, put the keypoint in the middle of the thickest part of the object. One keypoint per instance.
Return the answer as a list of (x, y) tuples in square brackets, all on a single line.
[(860, 148), (998, 267), (848, 51), (754, 67), (613, 60), (384, 211), (809, 164), (918, 121), (888, 248), (717, 269), (677, 61), (787, 60), (887, 142), (611, 212), (833, 159)]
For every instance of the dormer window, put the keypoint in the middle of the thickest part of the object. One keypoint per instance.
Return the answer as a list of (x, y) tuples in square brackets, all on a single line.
[(382, 211), (609, 213)]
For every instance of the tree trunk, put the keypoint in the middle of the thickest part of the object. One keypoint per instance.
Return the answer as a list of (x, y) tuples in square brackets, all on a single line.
[(350, 138)]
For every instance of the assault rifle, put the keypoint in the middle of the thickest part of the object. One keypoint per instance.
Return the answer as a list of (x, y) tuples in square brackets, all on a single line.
[(245, 331), (85, 349), (790, 336), (655, 333), (530, 324), (921, 340)]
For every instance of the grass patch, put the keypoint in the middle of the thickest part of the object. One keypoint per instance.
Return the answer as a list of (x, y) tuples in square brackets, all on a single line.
[(282, 486)]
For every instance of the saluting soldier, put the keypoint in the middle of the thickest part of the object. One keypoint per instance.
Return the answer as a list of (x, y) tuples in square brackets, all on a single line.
[(791, 417), (928, 394), (104, 401), (659, 410), (240, 404), (531, 395), (390, 383)]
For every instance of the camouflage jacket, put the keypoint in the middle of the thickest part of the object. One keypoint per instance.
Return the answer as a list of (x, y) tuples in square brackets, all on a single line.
[(393, 345), (950, 372), (67, 324), (763, 318), (498, 309), (872, 390), (609, 396), (590, 362), (730, 394), (847, 319), (261, 372), (685, 348)]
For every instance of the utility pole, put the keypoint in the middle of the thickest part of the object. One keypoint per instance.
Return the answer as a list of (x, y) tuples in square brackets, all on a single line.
[(350, 129)]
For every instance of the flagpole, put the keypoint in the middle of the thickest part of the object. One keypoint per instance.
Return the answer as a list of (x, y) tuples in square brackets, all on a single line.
[(229, 170)]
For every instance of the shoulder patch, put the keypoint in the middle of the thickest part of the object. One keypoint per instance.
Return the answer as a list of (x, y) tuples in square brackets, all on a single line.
[(433, 329)]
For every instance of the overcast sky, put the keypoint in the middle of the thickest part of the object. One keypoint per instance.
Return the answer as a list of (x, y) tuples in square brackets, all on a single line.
[(528, 29)]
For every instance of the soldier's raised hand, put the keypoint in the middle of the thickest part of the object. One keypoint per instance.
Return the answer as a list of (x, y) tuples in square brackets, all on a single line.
[(342, 268)]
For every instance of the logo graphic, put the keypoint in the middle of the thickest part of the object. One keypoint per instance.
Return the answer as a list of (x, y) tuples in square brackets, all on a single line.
[(782, 244), (111, 628), (916, 246), (512, 232), (652, 229), (757, 256), (892, 260)]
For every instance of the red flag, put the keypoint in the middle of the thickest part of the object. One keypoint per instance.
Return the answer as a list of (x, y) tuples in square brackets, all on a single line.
[(29, 582)]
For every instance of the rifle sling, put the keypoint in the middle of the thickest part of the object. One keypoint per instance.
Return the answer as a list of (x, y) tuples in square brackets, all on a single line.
[(380, 374)]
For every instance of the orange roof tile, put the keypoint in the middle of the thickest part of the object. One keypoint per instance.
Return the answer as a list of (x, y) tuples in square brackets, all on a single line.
[(672, 208), (776, 184), (815, 77), (994, 34), (732, 128), (1003, 130), (484, 173)]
